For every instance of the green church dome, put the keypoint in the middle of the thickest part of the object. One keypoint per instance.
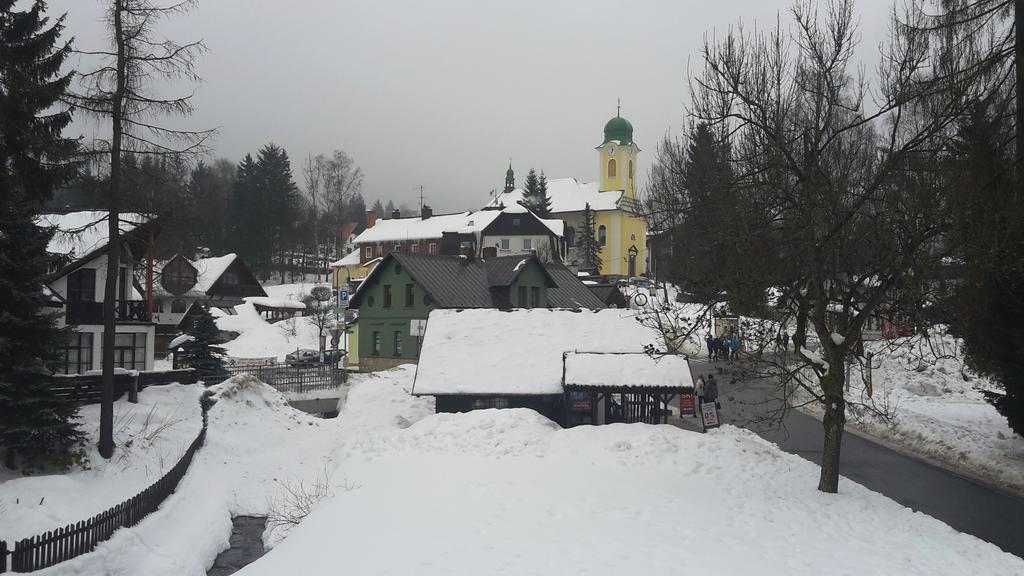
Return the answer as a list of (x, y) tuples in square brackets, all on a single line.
[(620, 129)]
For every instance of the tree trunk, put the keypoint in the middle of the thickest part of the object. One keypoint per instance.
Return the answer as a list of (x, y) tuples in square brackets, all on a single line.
[(802, 311), (1018, 20), (833, 422), (106, 442)]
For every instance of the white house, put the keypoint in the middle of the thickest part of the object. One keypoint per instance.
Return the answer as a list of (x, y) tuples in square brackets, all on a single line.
[(81, 245)]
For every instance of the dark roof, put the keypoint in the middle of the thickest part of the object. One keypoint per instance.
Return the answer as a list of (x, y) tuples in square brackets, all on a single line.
[(570, 292), (462, 282), (610, 295), (503, 270)]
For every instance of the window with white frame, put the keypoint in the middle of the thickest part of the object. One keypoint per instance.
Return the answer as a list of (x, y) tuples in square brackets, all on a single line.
[(527, 244), (369, 251), (504, 243), (433, 248)]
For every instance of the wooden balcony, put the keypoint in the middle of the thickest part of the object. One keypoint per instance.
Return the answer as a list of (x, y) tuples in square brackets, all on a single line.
[(92, 312)]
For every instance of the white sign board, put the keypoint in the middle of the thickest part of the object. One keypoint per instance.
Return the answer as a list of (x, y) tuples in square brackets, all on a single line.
[(709, 414), (417, 327)]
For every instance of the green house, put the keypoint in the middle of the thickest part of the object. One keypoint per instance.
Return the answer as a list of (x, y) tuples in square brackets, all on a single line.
[(395, 299)]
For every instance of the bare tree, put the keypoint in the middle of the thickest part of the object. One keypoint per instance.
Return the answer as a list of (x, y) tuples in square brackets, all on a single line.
[(313, 173), (121, 90), (833, 158), (319, 307)]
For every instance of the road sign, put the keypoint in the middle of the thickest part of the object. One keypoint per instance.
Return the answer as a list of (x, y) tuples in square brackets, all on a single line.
[(709, 415), (343, 298)]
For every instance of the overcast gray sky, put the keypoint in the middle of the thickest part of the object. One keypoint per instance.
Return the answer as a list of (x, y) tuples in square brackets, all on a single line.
[(442, 93)]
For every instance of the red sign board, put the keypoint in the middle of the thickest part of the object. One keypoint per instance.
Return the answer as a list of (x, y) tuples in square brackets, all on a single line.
[(686, 404)]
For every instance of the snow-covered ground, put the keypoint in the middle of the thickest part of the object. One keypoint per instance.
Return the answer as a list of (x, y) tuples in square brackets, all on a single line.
[(939, 410), (508, 492), (258, 338), (150, 437)]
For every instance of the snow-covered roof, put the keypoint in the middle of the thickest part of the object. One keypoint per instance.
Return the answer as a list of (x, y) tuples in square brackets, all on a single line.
[(567, 195), (350, 259), (209, 270), (399, 229), (492, 352), (80, 233), (179, 340), (270, 302), (634, 369)]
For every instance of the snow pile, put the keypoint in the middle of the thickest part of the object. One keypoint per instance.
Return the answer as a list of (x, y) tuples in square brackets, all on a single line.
[(150, 437), (511, 492), (258, 338), (939, 408)]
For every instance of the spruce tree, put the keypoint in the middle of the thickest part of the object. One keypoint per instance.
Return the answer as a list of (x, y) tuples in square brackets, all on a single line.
[(37, 428), (389, 209), (530, 189), (203, 352), (542, 204), (590, 249)]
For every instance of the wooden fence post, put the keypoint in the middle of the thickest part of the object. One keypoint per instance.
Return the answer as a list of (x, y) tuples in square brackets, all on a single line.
[(133, 389)]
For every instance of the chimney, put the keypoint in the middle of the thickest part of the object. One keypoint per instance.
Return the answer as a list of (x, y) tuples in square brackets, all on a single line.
[(396, 213), (426, 212), (371, 218)]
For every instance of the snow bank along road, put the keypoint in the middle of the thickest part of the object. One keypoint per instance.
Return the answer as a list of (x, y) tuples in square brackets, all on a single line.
[(989, 514)]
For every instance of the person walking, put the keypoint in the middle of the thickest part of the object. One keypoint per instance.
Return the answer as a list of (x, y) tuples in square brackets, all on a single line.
[(711, 347), (785, 341), (698, 390), (711, 391), (734, 347)]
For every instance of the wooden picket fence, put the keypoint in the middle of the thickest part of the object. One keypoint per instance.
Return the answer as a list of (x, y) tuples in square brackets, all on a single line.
[(56, 546)]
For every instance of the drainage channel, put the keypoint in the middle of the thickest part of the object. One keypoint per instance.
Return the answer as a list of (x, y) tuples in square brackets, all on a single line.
[(246, 545)]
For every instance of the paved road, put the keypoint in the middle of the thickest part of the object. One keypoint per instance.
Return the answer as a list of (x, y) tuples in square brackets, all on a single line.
[(989, 514)]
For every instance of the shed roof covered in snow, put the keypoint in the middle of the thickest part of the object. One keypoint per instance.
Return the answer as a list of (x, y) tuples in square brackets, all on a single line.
[(493, 352), (432, 227), (630, 370), (80, 233)]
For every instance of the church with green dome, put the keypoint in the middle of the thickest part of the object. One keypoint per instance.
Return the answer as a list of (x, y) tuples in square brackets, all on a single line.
[(619, 229)]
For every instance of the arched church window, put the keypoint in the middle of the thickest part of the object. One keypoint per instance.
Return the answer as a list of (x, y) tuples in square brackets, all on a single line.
[(602, 234), (611, 168)]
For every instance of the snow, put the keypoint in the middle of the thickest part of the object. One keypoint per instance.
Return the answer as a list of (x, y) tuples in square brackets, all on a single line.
[(350, 259), (401, 229), (209, 270), (508, 492), (270, 302), (588, 369), (80, 233), (567, 195), (179, 340), (520, 264), (150, 437), (815, 358), (512, 492), (488, 351), (939, 408), (837, 339), (258, 338)]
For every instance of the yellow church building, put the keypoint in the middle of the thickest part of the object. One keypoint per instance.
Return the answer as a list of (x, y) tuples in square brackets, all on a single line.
[(619, 229)]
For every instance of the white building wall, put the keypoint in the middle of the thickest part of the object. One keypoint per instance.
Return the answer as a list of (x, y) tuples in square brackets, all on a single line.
[(515, 245)]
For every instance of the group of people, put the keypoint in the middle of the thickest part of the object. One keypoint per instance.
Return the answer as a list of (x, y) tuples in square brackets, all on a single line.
[(724, 347), (782, 341)]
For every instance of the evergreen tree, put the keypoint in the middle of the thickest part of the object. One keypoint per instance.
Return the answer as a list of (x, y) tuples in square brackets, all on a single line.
[(280, 193), (202, 352), (587, 241), (378, 209), (37, 428), (355, 211), (389, 209), (542, 205), (249, 235), (531, 188)]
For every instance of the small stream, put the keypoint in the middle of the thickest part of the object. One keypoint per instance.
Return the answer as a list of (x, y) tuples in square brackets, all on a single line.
[(246, 545)]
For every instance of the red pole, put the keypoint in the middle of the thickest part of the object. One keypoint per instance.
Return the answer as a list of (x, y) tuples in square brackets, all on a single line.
[(149, 277)]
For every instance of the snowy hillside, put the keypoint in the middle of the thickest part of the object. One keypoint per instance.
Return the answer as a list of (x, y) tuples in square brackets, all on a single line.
[(939, 409)]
